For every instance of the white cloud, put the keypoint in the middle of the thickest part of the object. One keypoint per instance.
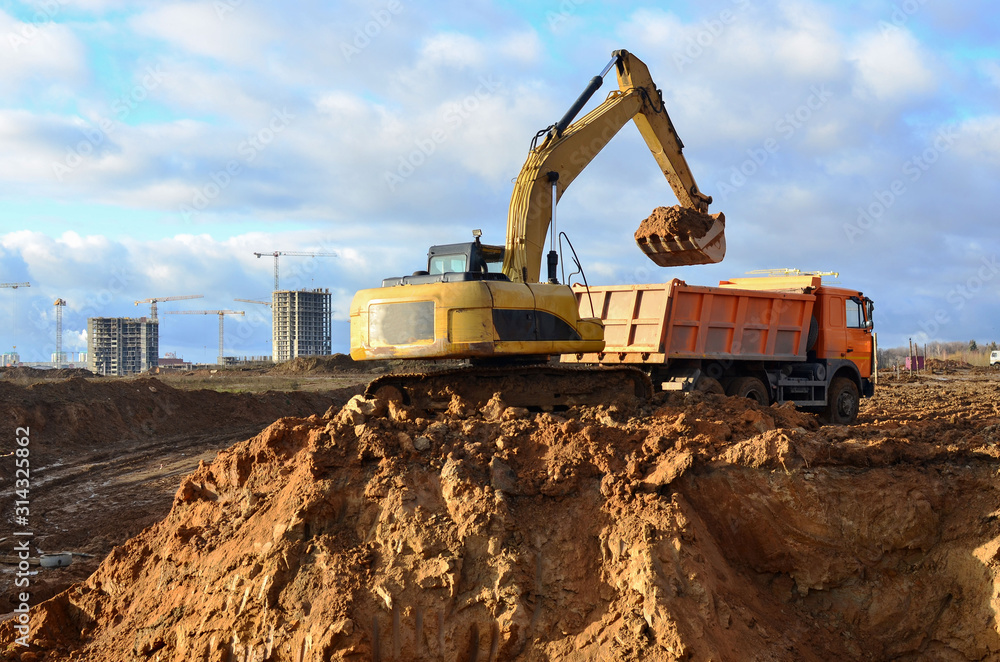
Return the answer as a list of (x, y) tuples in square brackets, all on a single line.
[(739, 43), (892, 66), (731, 75), (188, 88), (343, 106), (808, 50), (46, 54), (453, 51), (214, 29), (524, 47), (75, 341), (96, 5), (977, 140), (649, 29)]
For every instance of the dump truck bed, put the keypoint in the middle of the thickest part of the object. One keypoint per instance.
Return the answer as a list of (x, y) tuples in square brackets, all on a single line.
[(650, 324)]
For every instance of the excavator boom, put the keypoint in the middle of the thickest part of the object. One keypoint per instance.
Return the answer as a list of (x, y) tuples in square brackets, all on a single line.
[(569, 147)]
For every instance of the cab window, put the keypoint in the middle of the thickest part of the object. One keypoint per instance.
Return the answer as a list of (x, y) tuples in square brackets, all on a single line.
[(495, 266), (855, 317), (441, 264)]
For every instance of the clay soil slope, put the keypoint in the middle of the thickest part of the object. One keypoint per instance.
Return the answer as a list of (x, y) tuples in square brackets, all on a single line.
[(106, 456), (693, 527)]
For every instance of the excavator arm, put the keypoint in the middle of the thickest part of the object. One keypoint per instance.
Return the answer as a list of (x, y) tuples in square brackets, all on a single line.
[(568, 147)]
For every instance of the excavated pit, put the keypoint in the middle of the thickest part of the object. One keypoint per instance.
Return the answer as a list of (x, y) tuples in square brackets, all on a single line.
[(695, 527)]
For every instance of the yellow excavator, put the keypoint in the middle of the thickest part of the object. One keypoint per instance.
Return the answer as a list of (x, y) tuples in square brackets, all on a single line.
[(485, 303)]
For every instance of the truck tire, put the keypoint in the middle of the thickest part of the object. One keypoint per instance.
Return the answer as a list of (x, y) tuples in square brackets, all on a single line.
[(842, 402), (706, 384), (813, 334), (749, 387)]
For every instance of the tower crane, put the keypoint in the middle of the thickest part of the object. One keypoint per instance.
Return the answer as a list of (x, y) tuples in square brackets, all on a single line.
[(13, 317), (220, 313), (275, 254), (153, 301), (59, 304), (263, 303)]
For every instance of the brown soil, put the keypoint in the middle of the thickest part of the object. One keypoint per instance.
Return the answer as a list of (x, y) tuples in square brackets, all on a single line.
[(340, 364), (676, 221), (693, 527), (952, 366), (25, 372), (106, 456), (323, 364)]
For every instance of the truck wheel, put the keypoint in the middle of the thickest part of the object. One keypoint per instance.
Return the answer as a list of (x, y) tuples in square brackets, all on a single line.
[(842, 402), (749, 387), (707, 384), (813, 334)]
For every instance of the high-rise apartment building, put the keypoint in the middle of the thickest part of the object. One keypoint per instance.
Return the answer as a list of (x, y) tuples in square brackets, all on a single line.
[(301, 325), (122, 345)]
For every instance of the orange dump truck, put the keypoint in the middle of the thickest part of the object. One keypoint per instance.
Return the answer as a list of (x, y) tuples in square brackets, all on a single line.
[(773, 339)]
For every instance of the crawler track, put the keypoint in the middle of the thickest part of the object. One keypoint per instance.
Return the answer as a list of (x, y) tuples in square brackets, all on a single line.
[(541, 387)]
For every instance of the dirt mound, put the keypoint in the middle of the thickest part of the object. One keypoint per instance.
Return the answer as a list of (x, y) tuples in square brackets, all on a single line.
[(953, 367), (25, 372), (79, 413), (698, 527), (106, 456), (337, 363), (676, 221), (344, 364)]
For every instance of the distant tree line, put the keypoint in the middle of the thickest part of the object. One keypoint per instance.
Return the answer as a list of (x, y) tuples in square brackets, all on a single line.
[(971, 352)]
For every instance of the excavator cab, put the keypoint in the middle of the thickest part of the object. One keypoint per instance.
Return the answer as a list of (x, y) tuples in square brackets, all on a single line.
[(475, 257), (448, 263)]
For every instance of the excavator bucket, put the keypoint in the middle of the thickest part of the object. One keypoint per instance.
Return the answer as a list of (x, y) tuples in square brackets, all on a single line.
[(678, 236)]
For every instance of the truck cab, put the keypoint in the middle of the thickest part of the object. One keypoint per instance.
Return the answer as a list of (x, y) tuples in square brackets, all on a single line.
[(845, 329)]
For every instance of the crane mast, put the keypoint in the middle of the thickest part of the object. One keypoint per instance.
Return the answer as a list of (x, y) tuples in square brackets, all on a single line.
[(220, 313)]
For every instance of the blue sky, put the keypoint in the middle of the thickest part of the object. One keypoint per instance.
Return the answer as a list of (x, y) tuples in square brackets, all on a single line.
[(149, 149)]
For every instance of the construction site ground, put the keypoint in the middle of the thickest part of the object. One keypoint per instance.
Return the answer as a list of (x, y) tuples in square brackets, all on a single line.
[(107, 453), (253, 516)]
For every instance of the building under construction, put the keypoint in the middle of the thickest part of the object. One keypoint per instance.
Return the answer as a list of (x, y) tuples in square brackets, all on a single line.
[(301, 325), (122, 345)]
